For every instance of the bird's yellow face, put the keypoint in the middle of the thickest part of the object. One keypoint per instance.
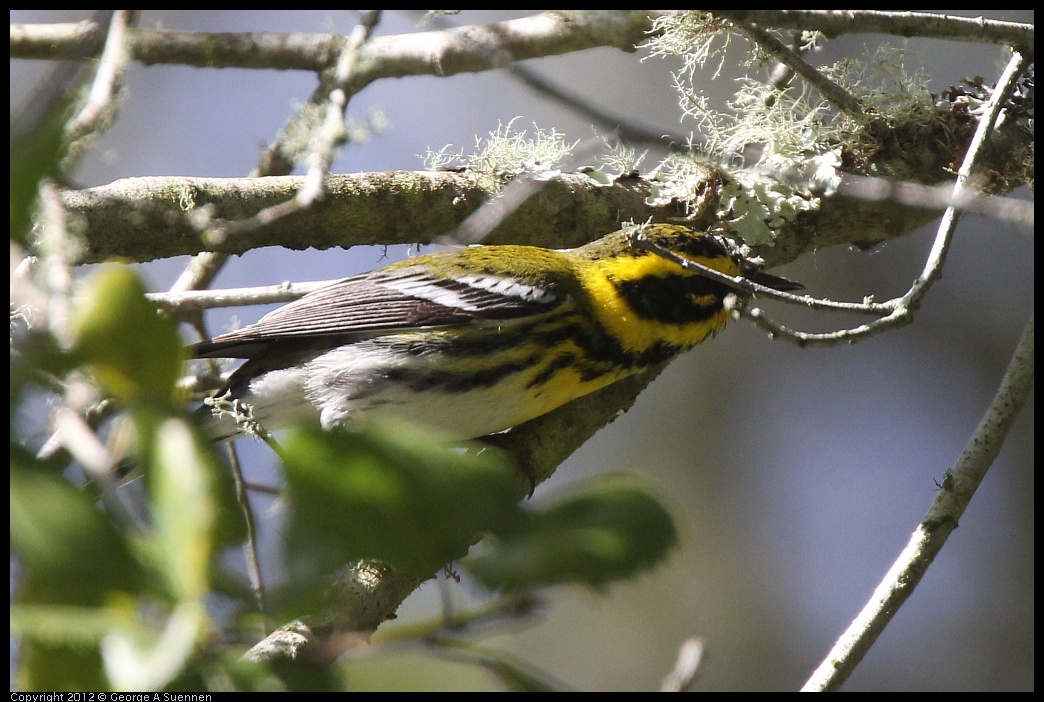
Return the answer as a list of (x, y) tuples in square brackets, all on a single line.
[(647, 300)]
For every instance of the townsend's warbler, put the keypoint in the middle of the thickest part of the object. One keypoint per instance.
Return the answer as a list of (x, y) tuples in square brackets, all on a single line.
[(475, 340)]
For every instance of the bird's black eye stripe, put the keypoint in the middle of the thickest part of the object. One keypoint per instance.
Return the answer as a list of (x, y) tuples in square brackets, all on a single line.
[(702, 247), (673, 299)]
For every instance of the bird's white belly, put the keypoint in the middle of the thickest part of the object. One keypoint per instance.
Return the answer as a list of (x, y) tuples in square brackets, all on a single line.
[(367, 379)]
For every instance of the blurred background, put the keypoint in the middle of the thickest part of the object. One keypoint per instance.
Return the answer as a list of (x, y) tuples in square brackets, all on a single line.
[(795, 476)]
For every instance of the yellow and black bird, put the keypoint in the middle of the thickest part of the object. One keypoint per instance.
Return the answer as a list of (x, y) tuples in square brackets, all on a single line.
[(475, 340)]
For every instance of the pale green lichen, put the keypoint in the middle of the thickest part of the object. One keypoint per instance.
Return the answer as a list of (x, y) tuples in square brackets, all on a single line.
[(882, 83), (506, 154), (755, 205), (697, 37), (800, 136), (620, 158)]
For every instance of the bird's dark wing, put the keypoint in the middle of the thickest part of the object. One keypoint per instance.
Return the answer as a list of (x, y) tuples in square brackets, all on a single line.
[(401, 297)]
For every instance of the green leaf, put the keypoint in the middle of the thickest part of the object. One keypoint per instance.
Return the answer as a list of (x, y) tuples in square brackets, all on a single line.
[(72, 559), (195, 509), (79, 604), (65, 624), (70, 552), (58, 668), (134, 352), (613, 529), (60, 646), (389, 493)]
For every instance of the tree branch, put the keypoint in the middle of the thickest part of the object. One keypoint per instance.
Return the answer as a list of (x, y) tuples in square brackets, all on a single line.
[(156, 217), (905, 24), (942, 518), (460, 50)]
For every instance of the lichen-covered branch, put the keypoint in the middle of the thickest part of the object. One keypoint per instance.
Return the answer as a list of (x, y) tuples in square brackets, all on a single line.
[(142, 219)]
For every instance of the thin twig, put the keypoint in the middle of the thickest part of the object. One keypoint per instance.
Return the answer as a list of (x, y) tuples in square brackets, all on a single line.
[(625, 129), (271, 490), (251, 552), (72, 432), (279, 159), (897, 318), (749, 287), (200, 271), (332, 132), (941, 519), (507, 607), (990, 113), (111, 66), (831, 91), (902, 309), (782, 74), (1012, 211), (328, 136), (237, 297)]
